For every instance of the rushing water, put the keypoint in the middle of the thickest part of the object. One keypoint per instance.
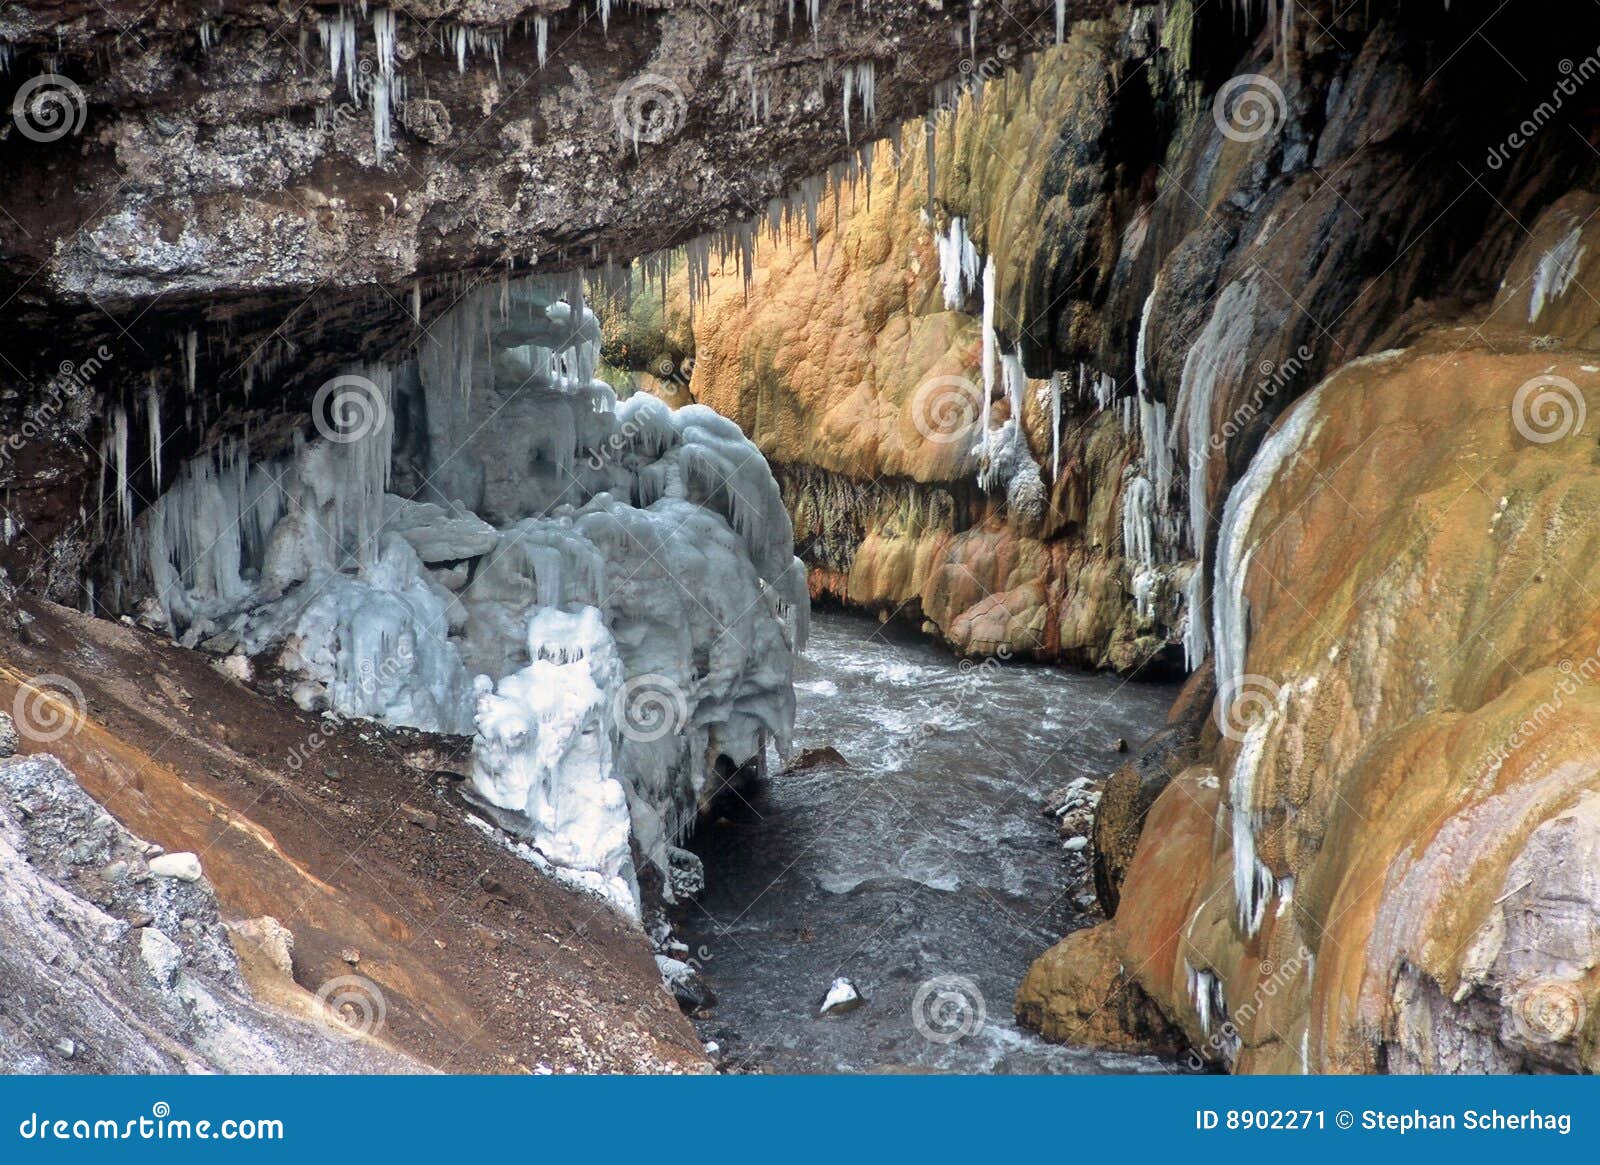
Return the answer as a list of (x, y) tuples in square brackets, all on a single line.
[(926, 857)]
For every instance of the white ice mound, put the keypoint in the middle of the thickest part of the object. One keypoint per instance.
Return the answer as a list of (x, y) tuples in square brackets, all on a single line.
[(619, 576), (545, 749)]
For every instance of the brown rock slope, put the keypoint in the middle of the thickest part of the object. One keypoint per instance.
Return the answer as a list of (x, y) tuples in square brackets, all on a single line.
[(344, 834)]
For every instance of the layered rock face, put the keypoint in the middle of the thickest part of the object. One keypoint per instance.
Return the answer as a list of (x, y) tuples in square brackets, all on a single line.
[(1384, 857), (1008, 374)]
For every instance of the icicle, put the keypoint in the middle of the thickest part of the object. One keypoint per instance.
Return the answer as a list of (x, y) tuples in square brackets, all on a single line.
[(958, 264), (191, 346), (991, 343), (119, 455), (541, 37), (1055, 426), (1061, 21), (605, 15), (152, 409)]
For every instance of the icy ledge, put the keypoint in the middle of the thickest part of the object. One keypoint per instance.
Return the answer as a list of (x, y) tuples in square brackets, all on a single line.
[(485, 541)]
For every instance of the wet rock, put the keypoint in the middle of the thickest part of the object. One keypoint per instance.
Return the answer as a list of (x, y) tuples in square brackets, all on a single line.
[(1079, 992), (8, 736), (825, 756), (1125, 802)]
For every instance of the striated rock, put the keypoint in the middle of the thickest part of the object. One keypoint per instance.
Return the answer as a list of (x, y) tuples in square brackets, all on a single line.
[(1079, 993), (1396, 871)]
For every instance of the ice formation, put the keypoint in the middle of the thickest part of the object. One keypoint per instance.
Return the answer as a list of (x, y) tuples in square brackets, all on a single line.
[(959, 264), (1556, 270), (1253, 882), (486, 541)]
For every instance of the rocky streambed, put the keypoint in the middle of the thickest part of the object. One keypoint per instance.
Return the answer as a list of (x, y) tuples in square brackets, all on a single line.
[(914, 860)]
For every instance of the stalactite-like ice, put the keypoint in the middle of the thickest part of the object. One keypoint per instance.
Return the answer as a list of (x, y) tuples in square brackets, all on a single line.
[(1252, 882), (505, 517), (1218, 357), (959, 264), (1557, 268)]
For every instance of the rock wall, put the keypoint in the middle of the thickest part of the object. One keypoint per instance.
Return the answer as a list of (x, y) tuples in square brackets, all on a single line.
[(1382, 855), (1141, 245)]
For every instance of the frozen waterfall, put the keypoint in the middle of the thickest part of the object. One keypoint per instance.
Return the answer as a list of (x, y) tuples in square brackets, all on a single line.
[(484, 540)]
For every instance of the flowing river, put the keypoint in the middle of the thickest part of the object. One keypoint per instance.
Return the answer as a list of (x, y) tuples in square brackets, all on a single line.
[(921, 868)]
